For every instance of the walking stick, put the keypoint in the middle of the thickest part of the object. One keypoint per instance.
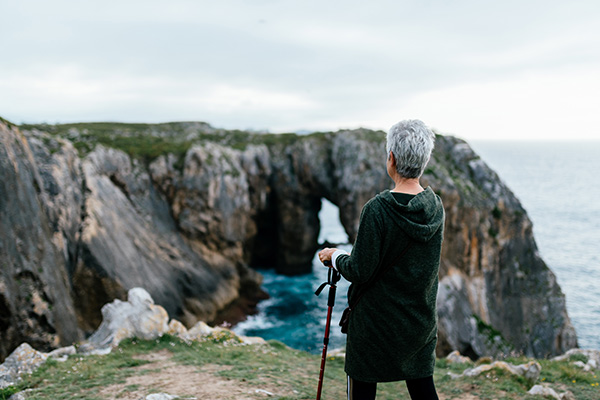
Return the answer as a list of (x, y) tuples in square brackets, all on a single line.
[(333, 276)]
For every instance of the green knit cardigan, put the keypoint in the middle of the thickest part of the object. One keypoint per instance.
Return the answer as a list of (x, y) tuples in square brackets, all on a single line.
[(392, 332)]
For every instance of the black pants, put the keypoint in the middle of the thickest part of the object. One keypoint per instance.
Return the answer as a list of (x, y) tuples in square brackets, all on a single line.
[(419, 389)]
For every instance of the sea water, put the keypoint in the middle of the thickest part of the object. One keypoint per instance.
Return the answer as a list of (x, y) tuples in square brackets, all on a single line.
[(558, 184), (294, 315)]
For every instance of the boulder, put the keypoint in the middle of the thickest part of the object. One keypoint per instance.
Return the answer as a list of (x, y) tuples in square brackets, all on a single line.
[(198, 331), (20, 396), (137, 317), (530, 371), (455, 357), (592, 356), (63, 353), (548, 392), (176, 328), (23, 360)]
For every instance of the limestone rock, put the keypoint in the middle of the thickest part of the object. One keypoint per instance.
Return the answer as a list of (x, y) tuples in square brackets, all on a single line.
[(530, 370), (24, 360), (132, 241), (35, 302), (455, 357), (548, 392), (592, 358), (137, 317), (539, 390), (176, 328), (341, 352), (63, 353), (21, 395), (495, 290), (492, 278), (199, 331), (250, 340), (186, 227)]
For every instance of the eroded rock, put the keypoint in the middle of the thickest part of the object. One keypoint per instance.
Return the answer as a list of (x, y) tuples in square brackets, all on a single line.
[(23, 360), (530, 371), (187, 228), (137, 317)]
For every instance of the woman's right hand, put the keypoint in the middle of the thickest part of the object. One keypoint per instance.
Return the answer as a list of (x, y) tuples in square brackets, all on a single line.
[(325, 256)]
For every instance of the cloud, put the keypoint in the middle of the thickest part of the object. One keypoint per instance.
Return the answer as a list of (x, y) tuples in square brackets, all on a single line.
[(549, 106), (295, 65)]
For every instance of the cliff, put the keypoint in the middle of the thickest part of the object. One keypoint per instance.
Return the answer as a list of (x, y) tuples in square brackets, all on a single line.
[(89, 211), (137, 352)]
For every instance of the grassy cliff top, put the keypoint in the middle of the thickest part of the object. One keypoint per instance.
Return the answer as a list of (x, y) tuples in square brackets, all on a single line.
[(147, 141), (219, 368)]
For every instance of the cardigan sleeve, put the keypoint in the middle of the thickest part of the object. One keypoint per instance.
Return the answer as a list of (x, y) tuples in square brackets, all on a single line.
[(362, 262)]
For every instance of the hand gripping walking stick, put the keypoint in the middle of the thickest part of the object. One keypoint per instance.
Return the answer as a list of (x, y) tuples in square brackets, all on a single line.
[(333, 276)]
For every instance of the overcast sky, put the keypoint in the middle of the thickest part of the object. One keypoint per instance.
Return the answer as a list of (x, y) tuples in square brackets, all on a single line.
[(473, 68)]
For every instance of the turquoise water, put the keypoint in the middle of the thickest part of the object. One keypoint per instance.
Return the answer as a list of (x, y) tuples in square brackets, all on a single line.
[(294, 314), (557, 183)]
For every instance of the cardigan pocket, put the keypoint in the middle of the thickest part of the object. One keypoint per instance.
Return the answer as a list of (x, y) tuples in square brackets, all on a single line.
[(345, 320)]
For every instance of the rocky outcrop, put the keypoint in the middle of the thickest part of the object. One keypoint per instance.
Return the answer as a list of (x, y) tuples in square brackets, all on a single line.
[(36, 304), (131, 237), (24, 360), (496, 293), (77, 233), (530, 370), (80, 232), (138, 317)]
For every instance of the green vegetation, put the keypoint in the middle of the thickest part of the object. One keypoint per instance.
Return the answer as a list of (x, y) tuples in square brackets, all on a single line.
[(8, 123), (146, 142), (137, 368), (497, 213), (7, 392), (370, 136), (489, 331)]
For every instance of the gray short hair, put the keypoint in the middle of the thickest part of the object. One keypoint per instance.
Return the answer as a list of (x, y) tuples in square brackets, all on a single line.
[(411, 142)]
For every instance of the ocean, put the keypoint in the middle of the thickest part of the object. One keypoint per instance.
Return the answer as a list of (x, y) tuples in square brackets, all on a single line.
[(558, 184)]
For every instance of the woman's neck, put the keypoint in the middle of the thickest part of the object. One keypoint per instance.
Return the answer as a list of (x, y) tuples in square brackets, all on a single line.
[(409, 186)]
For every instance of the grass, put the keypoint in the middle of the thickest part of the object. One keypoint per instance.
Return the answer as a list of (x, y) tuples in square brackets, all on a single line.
[(146, 142), (275, 365), (6, 122), (139, 141)]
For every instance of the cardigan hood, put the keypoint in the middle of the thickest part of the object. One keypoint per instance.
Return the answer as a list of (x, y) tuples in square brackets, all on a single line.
[(421, 218)]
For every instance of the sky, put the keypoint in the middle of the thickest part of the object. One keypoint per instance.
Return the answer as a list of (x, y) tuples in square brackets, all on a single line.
[(476, 69)]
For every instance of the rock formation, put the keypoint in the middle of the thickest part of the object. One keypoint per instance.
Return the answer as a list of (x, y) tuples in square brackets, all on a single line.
[(81, 228), (138, 317), (36, 304)]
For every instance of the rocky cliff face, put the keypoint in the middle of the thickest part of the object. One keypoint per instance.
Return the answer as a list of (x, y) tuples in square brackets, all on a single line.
[(35, 292), (80, 229)]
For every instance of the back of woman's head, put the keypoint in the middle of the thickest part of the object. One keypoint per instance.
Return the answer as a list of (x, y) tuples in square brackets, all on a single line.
[(411, 142)]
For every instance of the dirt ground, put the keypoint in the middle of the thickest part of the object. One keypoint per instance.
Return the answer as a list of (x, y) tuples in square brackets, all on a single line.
[(162, 375)]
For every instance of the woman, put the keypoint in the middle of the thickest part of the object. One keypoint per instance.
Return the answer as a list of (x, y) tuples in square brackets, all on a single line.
[(392, 332)]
